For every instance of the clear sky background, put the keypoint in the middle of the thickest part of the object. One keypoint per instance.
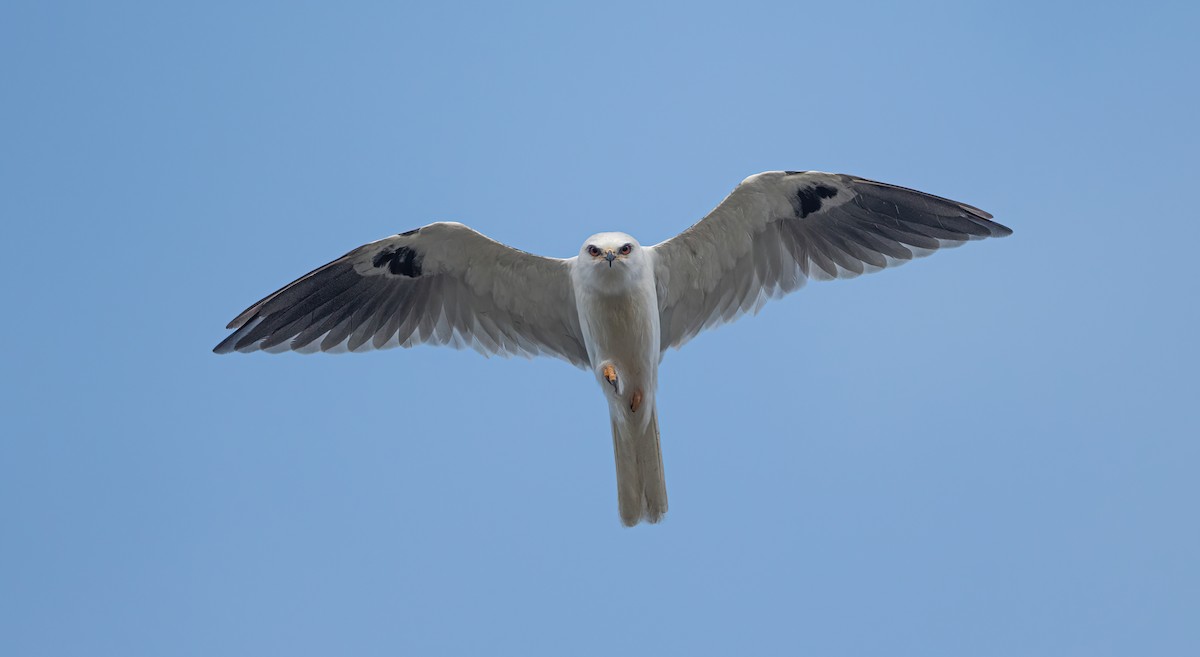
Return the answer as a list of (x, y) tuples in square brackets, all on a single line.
[(992, 451)]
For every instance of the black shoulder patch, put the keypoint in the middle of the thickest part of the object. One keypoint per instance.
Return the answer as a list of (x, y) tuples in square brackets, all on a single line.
[(793, 173), (410, 232), (808, 200), (401, 261)]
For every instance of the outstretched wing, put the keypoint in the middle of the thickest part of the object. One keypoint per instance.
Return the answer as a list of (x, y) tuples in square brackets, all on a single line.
[(440, 284), (779, 228)]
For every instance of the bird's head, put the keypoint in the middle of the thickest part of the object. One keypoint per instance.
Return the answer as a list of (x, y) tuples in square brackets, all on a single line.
[(613, 251)]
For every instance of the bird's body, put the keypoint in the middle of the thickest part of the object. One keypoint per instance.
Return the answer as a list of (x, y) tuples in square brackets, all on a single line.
[(618, 316), (614, 308)]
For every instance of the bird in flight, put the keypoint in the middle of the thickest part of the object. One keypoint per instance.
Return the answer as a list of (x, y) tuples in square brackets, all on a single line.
[(615, 307)]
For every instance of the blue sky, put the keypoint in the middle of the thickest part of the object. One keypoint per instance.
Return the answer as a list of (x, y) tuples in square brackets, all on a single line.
[(992, 451)]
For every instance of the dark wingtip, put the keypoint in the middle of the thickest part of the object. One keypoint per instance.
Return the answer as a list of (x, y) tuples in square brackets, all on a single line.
[(247, 315), (971, 209), (232, 342), (984, 218), (228, 344)]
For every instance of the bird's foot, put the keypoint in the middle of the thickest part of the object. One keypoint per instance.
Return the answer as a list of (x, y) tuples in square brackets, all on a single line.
[(635, 402), (610, 374)]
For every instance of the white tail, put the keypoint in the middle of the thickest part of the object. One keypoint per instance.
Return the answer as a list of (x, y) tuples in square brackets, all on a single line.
[(641, 486)]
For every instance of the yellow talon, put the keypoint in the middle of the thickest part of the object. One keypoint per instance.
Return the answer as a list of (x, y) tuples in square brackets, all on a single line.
[(635, 402), (610, 374)]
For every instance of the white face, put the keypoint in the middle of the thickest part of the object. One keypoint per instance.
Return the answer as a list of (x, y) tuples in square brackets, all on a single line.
[(617, 252)]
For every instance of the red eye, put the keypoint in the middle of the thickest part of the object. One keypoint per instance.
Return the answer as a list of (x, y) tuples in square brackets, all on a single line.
[(593, 251), (626, 249)]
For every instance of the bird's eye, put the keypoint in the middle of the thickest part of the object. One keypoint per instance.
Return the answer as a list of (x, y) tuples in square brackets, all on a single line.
[(625, 250), (593, 251)]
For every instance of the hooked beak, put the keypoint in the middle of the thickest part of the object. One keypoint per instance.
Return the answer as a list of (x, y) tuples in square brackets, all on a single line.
[(610, 256)]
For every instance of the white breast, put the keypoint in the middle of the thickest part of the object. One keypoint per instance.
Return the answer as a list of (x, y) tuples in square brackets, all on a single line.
[(619, 319)]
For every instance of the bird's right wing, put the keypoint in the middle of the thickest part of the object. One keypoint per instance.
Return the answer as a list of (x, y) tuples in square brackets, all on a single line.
[(440, 284), (779, 228)]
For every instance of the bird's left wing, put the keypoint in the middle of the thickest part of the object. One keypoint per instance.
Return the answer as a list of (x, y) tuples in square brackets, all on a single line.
[(779, 228), (440, 284)]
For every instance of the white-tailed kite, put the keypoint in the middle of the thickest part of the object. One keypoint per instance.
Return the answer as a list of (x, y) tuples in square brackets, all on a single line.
[(616, 307)]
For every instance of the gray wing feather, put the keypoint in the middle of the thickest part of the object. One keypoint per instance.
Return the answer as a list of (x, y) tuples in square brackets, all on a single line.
[(441, 284), (778, 229)]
